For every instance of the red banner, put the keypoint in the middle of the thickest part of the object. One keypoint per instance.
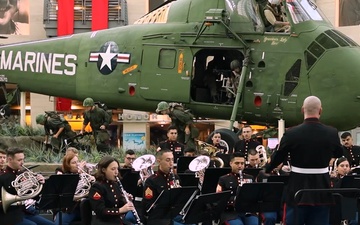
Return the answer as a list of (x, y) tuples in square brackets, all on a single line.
[(63, 104), (100, 14), (65, 16)]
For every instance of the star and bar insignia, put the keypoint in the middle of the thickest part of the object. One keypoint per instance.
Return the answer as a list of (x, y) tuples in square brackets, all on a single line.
[(108, 57)]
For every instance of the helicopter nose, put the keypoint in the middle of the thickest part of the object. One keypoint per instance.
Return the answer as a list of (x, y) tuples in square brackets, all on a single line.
[(335, 79)]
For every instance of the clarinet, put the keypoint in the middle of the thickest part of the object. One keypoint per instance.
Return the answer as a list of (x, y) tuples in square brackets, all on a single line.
[(241, 178), (128, 200)]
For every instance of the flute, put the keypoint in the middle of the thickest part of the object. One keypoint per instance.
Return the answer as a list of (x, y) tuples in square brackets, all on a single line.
[(128, 200)]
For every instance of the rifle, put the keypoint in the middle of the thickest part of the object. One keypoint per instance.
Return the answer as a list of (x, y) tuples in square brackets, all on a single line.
[(43, 145)]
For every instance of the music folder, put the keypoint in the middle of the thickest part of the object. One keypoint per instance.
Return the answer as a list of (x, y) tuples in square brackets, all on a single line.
[(129, 180), (170, 202), (183, 163), (58, 191), (259, 197), (188, 179), (207, 207), (211, 179)]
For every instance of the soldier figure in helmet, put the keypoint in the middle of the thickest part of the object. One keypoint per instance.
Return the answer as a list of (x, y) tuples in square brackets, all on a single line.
[(233, 81), (57, 127), (99, 121), (182, 120)]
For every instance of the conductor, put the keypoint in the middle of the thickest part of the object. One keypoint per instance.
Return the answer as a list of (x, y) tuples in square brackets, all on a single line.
[(311, 146)]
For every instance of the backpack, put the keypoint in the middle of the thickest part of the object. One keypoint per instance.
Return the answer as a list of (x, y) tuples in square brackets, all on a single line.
[(106, 109), (54, 115)]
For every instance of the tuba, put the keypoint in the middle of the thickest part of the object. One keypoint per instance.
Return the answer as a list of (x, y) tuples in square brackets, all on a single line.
[(262, 155), (26, 185), (143, 164), (199, 165), (84, 185), (212, 150)]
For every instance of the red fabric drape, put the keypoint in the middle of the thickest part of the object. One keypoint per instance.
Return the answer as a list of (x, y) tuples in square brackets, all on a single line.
[(63, 104), (65, 17), (100, 13), (65, 27)]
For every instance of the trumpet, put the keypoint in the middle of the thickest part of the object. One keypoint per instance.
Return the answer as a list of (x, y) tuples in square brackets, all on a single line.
[(143, 165), (138, 221), (26, 185), (84, 185)]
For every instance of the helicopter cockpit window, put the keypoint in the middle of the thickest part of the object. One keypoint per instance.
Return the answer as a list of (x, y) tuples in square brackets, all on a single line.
[(326, 41), (303, 10), (167, 58)]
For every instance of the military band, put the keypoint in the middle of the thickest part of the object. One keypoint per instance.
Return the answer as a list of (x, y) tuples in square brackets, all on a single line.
[(110, 203)]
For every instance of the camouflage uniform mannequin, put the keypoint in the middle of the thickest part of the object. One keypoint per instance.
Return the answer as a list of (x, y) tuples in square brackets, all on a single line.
[(99, 122), (182, 120), (59, 128)]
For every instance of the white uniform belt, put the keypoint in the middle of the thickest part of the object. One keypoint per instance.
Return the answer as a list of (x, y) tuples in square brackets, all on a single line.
[(309, 170)]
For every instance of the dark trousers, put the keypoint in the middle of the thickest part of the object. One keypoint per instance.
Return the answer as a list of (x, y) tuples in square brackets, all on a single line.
[(309, 215)]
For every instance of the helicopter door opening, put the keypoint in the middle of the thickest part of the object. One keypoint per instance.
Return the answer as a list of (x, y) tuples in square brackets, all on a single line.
[(213, 80)]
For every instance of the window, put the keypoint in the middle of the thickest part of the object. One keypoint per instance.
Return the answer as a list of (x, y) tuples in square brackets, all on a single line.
[(292, 78), (167, 58)]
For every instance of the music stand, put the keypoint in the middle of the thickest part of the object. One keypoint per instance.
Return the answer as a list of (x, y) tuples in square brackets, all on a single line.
[(130, 180), (252, 171), (211, 178), (183, 163), (170, 202), (282, 179), (225, 158), (58, 192), (259, 197), (188, 179), (207, 207)]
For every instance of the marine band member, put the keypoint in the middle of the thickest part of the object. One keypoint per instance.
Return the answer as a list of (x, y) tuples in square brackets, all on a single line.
[(106, 198), (216, 139), (231, 182), (171, 143), (15, 213), (163, 179), (350, 151), (247, 142)]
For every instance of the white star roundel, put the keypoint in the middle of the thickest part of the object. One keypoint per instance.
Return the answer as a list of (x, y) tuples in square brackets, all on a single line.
[(108, 57)]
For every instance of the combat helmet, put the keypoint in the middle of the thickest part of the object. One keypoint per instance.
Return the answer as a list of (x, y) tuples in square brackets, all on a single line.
[(162, 106), (88, 102), (234, 64), (40, 119)]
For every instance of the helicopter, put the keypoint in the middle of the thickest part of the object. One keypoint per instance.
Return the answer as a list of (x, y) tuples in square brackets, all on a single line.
[(165, 56)]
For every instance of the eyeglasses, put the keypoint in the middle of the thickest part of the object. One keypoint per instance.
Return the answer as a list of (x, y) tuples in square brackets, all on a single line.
[(130, 158)]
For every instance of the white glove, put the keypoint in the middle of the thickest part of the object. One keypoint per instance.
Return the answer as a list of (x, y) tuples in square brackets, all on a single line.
[(29, 202)]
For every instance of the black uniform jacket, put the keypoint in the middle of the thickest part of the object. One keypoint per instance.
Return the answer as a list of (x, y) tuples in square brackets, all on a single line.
[(176, 147), (245, 145), (14, 214), (232, 181), (106, 199), (154, 185), (311, 146), (352, 154)]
